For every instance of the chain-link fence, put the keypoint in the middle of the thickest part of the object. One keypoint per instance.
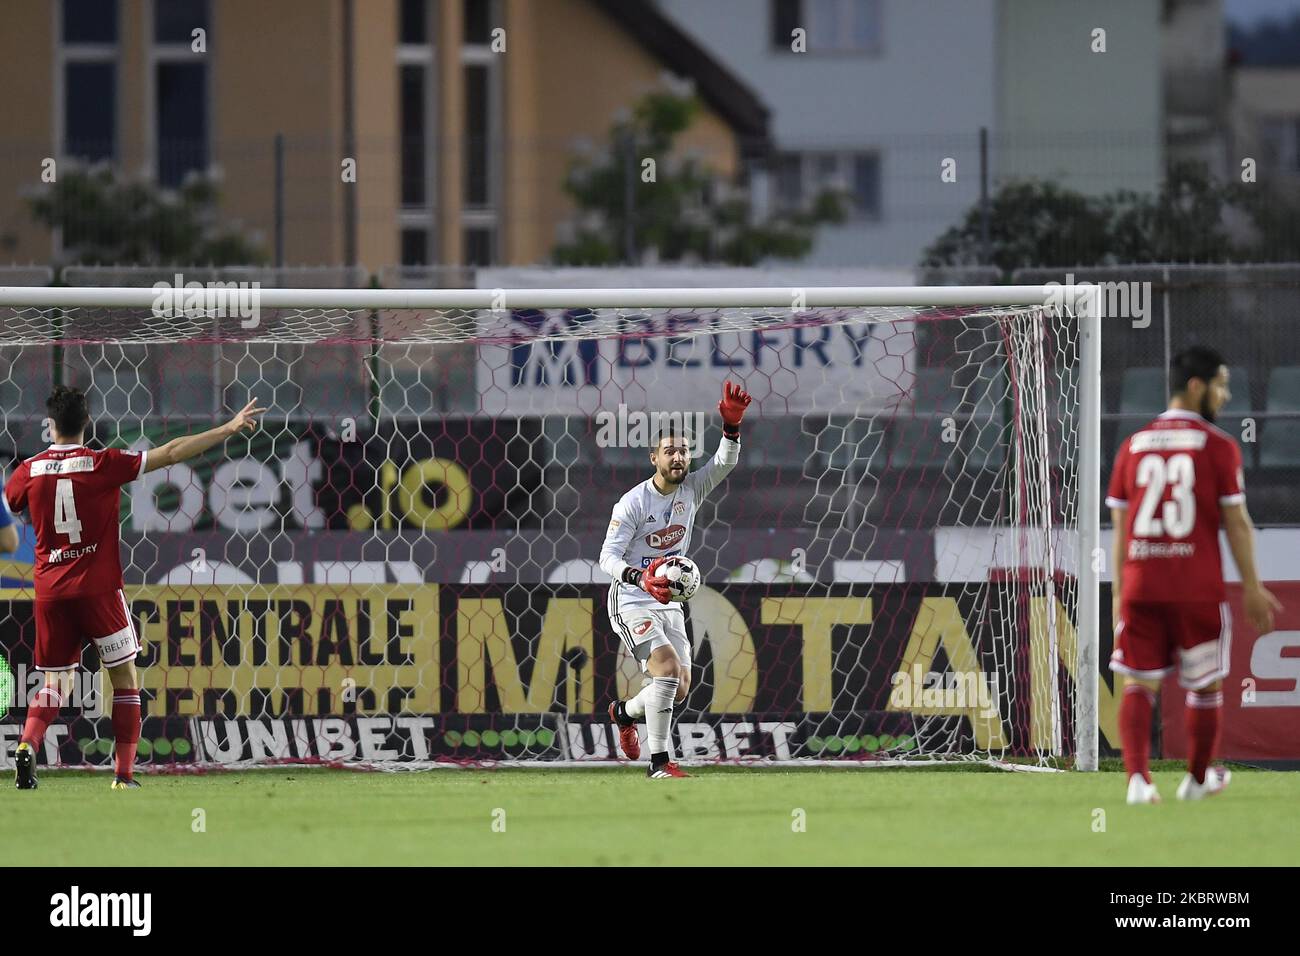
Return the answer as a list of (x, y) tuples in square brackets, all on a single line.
[(1246, 312)]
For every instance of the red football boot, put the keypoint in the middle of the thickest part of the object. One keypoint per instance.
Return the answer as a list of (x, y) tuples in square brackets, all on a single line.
[(669, 769), (627, 739)]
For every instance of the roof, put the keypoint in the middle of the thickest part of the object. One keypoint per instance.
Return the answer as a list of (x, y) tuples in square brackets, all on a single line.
[(717, 86)]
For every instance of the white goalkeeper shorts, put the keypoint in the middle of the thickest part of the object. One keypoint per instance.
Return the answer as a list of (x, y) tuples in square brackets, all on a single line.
[(642, 629)]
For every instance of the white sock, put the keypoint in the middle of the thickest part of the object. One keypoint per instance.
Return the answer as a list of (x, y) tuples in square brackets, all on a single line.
[(635, 706), (659, 712)]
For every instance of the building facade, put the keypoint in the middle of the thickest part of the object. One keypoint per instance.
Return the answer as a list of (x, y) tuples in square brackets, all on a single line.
[(347, 131), (885, 96)]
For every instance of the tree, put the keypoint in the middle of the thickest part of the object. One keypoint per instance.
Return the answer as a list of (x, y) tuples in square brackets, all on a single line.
[(681, 210), (1184, 222), (105, 221), (1193, 218), (1030, 224)]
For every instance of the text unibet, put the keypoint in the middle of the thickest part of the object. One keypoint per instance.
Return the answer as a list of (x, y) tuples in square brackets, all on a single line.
[(102, 909)]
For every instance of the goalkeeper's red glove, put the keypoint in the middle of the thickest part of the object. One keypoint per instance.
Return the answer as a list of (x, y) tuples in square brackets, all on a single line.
[(732, 408), (651, 583)]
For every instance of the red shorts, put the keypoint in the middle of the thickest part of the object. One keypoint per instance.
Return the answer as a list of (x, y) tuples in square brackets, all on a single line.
[(65, 627), (1151, 637)]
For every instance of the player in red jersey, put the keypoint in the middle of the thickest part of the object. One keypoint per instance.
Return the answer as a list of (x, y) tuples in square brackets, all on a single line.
[(1174, 484), (71, 494)]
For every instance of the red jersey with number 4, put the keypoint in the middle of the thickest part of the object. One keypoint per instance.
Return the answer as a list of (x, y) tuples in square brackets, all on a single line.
[(1173, 477), (72, 496)]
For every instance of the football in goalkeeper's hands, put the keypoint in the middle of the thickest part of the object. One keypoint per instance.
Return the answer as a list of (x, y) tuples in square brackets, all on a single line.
[(683, 578)]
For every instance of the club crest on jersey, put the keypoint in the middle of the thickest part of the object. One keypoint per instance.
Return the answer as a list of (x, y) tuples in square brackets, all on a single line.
[(665, 538), (678, 508)]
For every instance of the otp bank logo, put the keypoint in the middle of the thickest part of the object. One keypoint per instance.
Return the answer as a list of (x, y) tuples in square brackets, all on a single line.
[(665, 538), (641, 627)]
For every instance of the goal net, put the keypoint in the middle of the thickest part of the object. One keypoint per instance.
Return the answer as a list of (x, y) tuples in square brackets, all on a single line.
[(399, 569)]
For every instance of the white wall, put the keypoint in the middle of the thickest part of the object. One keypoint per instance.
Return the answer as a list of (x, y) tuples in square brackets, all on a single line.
[(1023, 68), (1092, 121), (922, 98)]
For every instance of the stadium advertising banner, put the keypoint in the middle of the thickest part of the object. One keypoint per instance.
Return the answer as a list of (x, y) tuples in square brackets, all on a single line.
[(392, 672), (791, 361), (433, 474), (1261, 697)]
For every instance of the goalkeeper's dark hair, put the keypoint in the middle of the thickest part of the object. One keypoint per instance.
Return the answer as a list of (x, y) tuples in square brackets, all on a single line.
[(1196, 361), (68, 410), (667, 431)]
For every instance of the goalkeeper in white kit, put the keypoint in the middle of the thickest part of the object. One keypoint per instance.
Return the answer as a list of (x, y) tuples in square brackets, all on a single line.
[(652, 522)]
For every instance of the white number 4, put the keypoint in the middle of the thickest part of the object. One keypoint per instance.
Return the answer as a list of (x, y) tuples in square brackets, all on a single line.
[(65, 511), (1178, 516)]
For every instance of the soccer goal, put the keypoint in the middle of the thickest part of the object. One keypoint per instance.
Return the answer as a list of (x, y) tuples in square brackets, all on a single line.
[(399, 569)]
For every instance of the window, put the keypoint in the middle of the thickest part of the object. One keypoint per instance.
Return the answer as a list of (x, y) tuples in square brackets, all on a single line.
[(182, 121), (90, 21), (478, 247), (865, 190), (833, 26), (174, 21), (413, 28), (180, 89), (478, 16), (416, 105), (90, 98), (801, 177), (414, 173), (826, 169), (480, 133), (89, 30), (789, 180), (415, 247), (477, 127), (786, 16)]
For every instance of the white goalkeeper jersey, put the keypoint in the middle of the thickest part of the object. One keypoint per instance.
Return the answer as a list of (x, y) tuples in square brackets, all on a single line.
[(647, 524)]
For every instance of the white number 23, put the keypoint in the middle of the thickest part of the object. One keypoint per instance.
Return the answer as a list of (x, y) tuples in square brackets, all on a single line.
[(1178, 515)]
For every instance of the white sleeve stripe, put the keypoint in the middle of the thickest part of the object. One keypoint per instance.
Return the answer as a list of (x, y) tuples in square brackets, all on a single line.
[(1116, 503), (1236, 499), (144, 456)]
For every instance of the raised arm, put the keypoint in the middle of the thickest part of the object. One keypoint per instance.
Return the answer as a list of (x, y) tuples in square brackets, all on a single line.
[(181, 449), (732, 409)]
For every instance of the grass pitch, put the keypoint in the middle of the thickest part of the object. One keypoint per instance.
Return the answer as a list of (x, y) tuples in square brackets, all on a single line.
[(617, 817)]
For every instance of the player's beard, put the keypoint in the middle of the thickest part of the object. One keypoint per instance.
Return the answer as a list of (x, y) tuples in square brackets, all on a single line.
[(1206, 411), (673, 478)]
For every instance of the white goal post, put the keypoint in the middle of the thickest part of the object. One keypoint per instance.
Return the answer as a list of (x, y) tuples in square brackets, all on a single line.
[(962, 422)]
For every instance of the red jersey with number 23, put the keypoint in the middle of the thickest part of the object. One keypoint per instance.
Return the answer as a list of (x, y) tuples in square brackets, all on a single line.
[(1173, 477), (72, 494)]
